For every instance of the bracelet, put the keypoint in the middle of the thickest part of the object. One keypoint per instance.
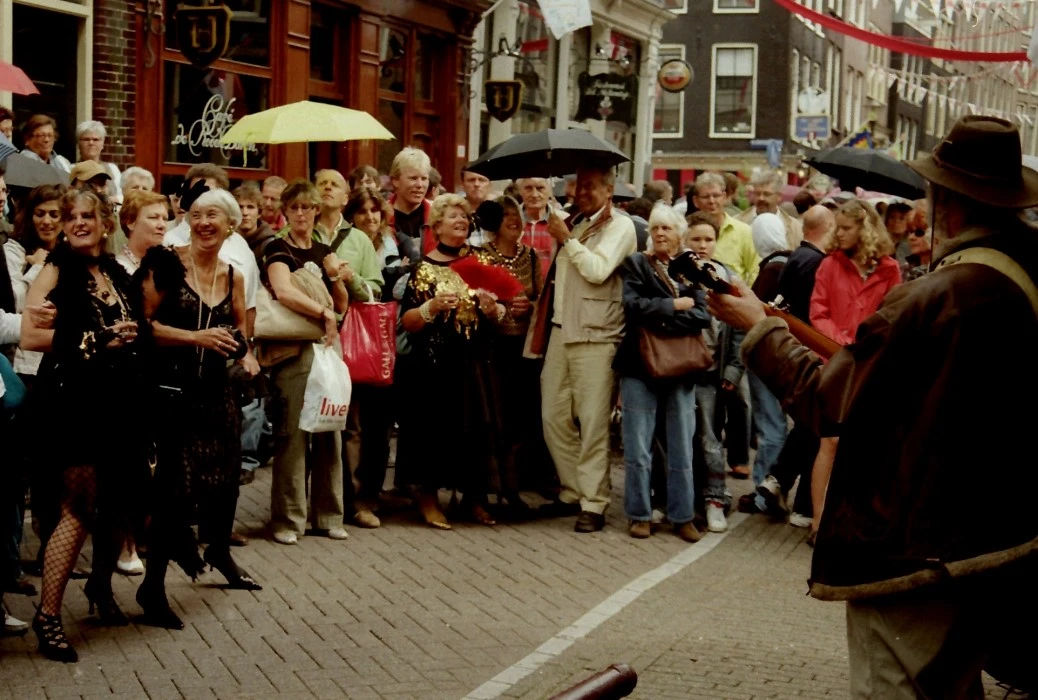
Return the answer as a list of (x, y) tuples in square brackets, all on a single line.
[(426, 312), (334, 279)]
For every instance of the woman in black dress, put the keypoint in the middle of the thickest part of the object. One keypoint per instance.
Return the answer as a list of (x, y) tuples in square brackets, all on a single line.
[(452, 328), (90, 371), (196, 307)]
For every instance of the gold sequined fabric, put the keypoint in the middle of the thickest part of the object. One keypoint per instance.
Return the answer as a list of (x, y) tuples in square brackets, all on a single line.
[(520, 265), (431, 279)]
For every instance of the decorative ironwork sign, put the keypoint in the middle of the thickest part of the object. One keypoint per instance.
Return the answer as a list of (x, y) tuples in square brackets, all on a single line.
[(504, 97), (203, 32)]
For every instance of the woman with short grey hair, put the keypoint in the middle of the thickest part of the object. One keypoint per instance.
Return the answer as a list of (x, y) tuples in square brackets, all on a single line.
[(137, 178), (90, 138)]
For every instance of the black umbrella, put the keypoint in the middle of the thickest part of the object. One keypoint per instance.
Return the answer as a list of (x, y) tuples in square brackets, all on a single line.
[(22, 171), (548, 153), (870, 170)]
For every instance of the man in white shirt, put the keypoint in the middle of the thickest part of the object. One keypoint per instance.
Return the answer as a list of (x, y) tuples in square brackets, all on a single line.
[(577, 382)]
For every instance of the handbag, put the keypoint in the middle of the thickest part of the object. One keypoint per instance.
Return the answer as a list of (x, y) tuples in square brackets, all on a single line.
[(671, 356), (369, 342), (277, 322)]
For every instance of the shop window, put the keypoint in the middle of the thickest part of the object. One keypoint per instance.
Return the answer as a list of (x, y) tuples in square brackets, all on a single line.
[(579, 62), (536, 68), (53, 70), (734, 91), (250, 31), (323, 42), (736, 6), (201, 105), (669, 116), (408, 83)]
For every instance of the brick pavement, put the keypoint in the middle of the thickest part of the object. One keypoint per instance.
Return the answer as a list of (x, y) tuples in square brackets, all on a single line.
[(409, 612)]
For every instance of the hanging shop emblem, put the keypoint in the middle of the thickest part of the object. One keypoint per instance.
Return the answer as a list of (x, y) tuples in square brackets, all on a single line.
[(504, 97), (203, 33), (674, 75), (607, 97)]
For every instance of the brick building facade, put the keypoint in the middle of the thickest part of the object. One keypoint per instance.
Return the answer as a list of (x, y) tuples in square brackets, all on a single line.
[(115, 77)]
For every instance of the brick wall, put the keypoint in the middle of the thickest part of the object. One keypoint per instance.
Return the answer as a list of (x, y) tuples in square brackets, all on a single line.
[(115, 77)]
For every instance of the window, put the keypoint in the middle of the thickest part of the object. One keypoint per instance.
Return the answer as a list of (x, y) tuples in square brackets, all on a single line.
[(734, 91), (669, 117), (678, 7), (834, 92), (794, 92), (537, 69), (736, 6)]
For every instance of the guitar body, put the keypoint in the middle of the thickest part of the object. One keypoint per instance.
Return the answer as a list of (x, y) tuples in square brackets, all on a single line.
[(690, 269)]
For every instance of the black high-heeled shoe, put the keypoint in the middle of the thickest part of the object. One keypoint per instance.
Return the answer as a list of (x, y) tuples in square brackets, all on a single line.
[(157, 612), (53, 642), (222, 561), (108, 612)]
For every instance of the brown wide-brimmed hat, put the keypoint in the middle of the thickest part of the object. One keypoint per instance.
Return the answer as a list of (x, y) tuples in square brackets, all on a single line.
[(980, 158)]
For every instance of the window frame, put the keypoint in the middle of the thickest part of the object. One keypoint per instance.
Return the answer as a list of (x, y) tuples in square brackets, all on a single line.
[(679, 10), (680, 133), (755, 10), (752, 133)]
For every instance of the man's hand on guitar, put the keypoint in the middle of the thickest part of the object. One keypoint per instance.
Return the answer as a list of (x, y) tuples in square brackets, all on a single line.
[(742, 311)]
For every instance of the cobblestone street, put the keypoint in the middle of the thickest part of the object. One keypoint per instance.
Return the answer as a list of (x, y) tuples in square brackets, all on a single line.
[(511, 611)]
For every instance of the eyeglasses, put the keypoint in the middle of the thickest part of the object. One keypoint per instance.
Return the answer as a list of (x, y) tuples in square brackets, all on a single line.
[(918, 232)]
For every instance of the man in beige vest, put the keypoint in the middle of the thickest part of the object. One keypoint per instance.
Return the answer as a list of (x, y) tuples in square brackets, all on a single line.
[(587, 320)]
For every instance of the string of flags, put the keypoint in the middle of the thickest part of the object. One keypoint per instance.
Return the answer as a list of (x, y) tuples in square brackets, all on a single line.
[(971, 8), (910, 86)]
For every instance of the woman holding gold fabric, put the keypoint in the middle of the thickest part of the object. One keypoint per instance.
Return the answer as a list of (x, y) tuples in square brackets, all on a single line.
[(452, 328)]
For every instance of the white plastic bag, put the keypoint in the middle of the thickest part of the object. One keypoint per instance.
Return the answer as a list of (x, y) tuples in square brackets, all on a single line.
[(328, 389)]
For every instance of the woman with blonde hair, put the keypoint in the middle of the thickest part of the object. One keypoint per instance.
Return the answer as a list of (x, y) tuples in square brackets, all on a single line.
[(452, 330), (856, 275)]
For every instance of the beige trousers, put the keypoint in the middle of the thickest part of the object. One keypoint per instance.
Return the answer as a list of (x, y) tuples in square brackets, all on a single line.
[(299, 454), (577, 385)]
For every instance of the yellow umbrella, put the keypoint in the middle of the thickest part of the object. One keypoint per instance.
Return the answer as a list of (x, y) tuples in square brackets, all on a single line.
[(304, 122)]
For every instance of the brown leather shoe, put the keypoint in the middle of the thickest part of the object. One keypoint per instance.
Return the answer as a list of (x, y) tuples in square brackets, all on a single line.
[(640, 529), (688, 532), (589, 522), (365, 518)]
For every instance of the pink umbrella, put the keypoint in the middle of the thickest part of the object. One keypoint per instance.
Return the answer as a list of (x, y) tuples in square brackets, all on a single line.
[(13, 79)]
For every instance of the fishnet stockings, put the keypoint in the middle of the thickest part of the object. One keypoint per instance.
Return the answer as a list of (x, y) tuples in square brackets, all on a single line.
[(63, 547)]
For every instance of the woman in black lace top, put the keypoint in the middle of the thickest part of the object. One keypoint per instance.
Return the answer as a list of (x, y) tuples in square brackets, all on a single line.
[(196, 305), (90, 371)]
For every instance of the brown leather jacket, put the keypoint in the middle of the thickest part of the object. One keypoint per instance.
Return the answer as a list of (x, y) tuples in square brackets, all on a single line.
[(934, 407)]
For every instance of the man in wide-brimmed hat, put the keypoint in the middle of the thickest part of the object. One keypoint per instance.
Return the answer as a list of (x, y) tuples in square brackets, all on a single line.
[(937, 577)]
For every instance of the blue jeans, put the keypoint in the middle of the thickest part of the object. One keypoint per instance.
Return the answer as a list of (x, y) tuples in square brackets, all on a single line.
[(253, 426), (770, 422), (709, 444), (639, 405)]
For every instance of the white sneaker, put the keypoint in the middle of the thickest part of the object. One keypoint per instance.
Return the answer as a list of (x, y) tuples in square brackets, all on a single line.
[(658, 516), (338, 533), (715, 520), (771, 493), (798, 520), (13, 626), (131, 567), (285, 537)]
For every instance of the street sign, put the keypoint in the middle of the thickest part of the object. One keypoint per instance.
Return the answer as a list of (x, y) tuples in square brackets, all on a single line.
[(813, 126)]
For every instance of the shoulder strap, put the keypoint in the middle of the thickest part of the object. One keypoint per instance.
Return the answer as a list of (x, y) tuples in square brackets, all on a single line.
[(997, 260), (657, 268), (339, 238)]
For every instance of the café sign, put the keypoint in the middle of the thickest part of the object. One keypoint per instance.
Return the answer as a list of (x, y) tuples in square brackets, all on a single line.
[(204, 133), (607, 97)]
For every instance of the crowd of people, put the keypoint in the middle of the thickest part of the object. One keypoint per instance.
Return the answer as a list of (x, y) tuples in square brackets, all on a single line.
[(118, 296)]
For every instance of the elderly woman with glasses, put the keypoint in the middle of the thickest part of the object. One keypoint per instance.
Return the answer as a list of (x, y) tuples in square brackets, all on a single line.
[(90, 140), (451, 329), (299, 453)]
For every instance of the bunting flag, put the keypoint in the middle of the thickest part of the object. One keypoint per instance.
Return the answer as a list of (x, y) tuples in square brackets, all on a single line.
[(897, 44), (862, 139)]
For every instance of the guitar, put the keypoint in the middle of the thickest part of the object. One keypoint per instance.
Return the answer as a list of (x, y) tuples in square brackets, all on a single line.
[(688, 268)]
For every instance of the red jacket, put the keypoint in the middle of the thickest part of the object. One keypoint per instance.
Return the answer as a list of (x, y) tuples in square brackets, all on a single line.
[(842, 299)]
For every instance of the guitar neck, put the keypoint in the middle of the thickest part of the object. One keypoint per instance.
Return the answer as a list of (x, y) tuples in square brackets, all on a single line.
[(821, 344)]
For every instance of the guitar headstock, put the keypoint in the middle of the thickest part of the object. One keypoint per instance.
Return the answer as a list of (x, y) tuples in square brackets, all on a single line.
[(688, 268)]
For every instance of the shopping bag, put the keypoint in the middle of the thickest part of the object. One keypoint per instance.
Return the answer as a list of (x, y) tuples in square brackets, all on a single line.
[(369, 343), (326, 400)]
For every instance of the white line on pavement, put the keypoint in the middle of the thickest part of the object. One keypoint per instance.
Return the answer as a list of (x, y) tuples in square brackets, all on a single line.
[(599, 614)]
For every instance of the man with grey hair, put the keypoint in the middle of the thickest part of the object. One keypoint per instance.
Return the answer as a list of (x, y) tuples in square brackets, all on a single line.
[(536, 193), (580, 323), (735, 241), (767, 189), (90, 137), (136, 178), (270, 206)]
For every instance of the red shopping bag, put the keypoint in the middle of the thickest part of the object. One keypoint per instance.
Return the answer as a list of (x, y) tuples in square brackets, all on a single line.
[(369, 342)]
